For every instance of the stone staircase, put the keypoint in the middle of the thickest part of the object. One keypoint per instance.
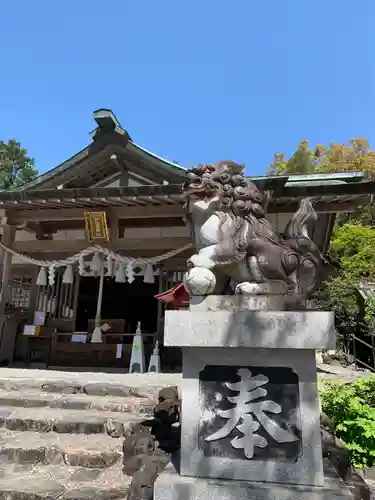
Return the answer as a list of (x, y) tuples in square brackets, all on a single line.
[(61, 439)]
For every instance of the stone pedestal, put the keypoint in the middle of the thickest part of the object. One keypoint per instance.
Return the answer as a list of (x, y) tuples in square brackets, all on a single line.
[(250, 411), (171, 486)]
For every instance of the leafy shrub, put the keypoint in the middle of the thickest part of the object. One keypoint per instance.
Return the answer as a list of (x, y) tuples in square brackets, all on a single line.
[(351, 407)]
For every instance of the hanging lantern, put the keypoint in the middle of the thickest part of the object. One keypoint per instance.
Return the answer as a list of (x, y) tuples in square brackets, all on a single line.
[(81, 265), (120, 273), (68, 277), (110, 266), (130, 272), (41, 280), (149, 274), (96, 263), (51, 275)]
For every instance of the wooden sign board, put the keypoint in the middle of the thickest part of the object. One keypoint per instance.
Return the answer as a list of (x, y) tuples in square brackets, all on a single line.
[(39, 318), (96, 227), (31, 330)]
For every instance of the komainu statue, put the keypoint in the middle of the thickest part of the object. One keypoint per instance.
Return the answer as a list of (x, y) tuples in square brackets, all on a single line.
[(235, 245)]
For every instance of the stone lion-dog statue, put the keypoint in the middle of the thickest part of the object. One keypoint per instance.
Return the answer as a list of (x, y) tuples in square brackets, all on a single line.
[(234, 242)]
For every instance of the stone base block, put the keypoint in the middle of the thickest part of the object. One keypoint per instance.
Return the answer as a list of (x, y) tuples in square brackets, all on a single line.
[(246, 328), (251, 413), (170, 486), (256, 302)]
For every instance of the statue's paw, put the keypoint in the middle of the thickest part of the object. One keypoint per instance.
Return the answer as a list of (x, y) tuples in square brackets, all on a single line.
[(200, 261), (245, 288)]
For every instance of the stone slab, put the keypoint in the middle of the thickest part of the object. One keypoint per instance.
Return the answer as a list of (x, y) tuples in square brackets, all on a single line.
[(79, 450), (257, 329), (38, 399), (62, 483), (115, 424), (170, 485), (238, 302), (290, 449)]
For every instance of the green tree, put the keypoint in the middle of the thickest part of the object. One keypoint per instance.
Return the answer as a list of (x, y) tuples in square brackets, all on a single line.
[(351, 408), (352, 258), (301, 162), (352, 249), (16, 167), (354, 156)]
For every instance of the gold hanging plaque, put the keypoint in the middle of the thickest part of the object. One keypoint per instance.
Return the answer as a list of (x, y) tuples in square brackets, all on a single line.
[(96, 227)]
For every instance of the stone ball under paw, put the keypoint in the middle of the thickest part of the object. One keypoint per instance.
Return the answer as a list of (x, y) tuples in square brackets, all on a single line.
[(199, 281)]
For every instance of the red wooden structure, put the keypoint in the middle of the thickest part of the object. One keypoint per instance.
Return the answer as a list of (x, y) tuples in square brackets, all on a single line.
[(175, 298)]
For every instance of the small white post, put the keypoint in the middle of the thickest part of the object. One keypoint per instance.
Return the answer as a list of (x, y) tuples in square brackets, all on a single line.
[(154, 365), (137, 359)]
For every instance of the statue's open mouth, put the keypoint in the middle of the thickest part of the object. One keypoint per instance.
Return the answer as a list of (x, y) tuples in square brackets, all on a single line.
[(201, 191)]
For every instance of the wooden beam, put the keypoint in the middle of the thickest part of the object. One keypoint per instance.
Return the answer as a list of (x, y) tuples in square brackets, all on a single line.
[(146, 253), (29, 270), (321, 207), (22, 216), (19, 217), (52, 227), (23, 271), (125, 244)]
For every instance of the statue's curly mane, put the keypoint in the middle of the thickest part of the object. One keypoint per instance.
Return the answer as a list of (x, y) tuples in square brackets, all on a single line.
[(237, 195), (240, 201)]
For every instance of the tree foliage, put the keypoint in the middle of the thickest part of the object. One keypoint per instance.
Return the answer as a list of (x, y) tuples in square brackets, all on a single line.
[(351, 407), (352, 249), (354, 156), (352, 258), (16, 167)]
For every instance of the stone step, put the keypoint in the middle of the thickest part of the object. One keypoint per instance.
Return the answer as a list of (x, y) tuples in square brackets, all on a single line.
[(58, 483), (39, 399), (91, 383), (50, 448), (115, 424), (74, 386)]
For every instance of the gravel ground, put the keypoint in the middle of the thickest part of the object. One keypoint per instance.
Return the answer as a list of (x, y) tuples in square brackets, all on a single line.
[(371, 484), (340, 373)]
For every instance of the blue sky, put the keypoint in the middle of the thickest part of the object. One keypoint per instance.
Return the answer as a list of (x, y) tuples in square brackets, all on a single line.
[(196, 81)]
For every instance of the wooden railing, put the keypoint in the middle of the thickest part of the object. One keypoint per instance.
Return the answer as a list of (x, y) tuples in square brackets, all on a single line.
[(371, 350), (57, 349)]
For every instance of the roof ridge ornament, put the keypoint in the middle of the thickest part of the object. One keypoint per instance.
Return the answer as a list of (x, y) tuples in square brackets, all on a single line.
[(105, 118)]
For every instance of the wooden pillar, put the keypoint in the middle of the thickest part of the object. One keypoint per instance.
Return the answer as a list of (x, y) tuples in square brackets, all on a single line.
[(124, 179), (160, 305), (6, 343), (8, 238), (77, 281), (113, 226), (33, 293)]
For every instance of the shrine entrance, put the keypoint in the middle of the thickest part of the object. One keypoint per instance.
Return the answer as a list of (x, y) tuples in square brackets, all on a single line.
[(130, 302)]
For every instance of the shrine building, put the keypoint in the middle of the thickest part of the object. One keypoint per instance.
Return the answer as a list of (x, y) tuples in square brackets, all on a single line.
[(128, 202)]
